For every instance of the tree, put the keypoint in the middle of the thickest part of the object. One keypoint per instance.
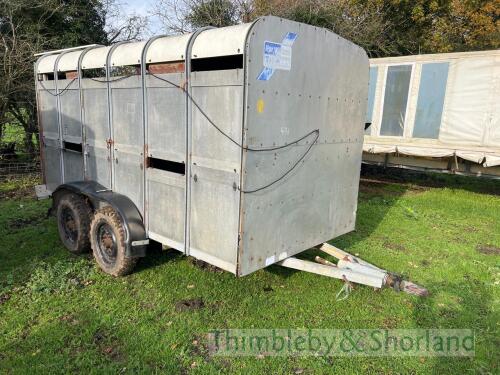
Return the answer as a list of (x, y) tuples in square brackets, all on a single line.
[(181, 16), (120, 27), (31, 26), (399, 27), (467, 25), (217, 13), (20, 40), (364, 22)]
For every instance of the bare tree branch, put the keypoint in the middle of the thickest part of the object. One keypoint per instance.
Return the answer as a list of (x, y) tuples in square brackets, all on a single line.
[(123, 27), (183, 16)]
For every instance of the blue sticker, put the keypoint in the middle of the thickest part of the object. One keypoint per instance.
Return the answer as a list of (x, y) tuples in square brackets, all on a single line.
[(266, 74), (289, 39), (277, 56)]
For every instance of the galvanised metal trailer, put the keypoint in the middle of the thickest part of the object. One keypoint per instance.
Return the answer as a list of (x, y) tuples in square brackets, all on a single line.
[(240, 146)]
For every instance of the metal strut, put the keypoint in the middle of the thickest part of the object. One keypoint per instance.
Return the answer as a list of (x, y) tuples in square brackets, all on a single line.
[(353, 269)]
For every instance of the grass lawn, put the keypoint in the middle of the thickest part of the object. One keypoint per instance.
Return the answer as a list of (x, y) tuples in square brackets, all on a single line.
[(58, 313)]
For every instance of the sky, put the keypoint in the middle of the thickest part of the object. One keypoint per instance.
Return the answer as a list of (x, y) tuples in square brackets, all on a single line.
[(142, 7)]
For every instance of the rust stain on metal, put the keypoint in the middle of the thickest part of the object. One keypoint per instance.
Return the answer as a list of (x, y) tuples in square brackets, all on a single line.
[(324, 261), (73, 74), (170, 67)]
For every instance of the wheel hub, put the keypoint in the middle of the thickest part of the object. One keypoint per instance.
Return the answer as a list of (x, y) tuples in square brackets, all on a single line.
[(69, 225), (106, 241)]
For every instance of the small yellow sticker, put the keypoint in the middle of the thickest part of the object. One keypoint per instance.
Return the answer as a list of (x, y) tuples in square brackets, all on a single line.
[(260, 105)]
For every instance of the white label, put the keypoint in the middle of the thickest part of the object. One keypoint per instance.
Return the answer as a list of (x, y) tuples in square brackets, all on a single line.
[(270, 260), (282, 255), (277, 56)]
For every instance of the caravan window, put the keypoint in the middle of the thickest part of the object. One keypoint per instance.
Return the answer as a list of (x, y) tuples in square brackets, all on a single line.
[(430, 100), (395, 99), (371, 96)]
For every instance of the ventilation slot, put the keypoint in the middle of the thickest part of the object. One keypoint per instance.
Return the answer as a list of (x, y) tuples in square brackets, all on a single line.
[(217, 63), (48, 77), (70, 146), (167, 165), (94, 73)]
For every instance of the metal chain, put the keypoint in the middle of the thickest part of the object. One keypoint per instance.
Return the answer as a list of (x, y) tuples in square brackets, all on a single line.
[(344, 292)]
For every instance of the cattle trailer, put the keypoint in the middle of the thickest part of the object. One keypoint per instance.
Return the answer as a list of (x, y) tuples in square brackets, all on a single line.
[(240, 146)]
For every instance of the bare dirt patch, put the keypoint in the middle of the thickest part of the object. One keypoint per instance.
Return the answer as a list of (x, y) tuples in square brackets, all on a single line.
[(416, 181), (18, 187), (394, 246), (24, 222), (371, 186), (113, 353), (107, 345), (189, 304), (488, 249), (70, 319), (371, 189), (200, 348), (389, 323), (205, 266), (4, 298), (470, 229), (25, 192)]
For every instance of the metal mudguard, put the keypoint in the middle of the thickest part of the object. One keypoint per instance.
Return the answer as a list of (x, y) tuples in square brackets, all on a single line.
[(136, 239)]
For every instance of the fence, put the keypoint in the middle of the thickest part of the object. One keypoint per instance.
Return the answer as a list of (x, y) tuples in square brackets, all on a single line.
[(15, 165)]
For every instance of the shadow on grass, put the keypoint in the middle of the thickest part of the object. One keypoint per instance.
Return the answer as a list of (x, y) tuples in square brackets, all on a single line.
[(380, 190), (431, 179), (156, 257)]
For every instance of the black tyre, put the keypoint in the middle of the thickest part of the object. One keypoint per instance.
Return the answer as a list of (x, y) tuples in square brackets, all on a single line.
[(107, 239), (73, 221)]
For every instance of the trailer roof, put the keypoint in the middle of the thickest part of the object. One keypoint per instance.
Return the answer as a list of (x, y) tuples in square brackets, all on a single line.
[(167, 48), (69, 61), (127, 54), (46, 64), (212, 42), (221, 42), (95, 58)]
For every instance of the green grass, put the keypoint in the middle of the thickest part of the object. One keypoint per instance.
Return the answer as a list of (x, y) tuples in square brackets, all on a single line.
[(58, 313)]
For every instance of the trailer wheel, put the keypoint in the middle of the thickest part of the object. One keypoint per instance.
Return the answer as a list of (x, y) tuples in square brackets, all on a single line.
[(73, 222), (107, 239)]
